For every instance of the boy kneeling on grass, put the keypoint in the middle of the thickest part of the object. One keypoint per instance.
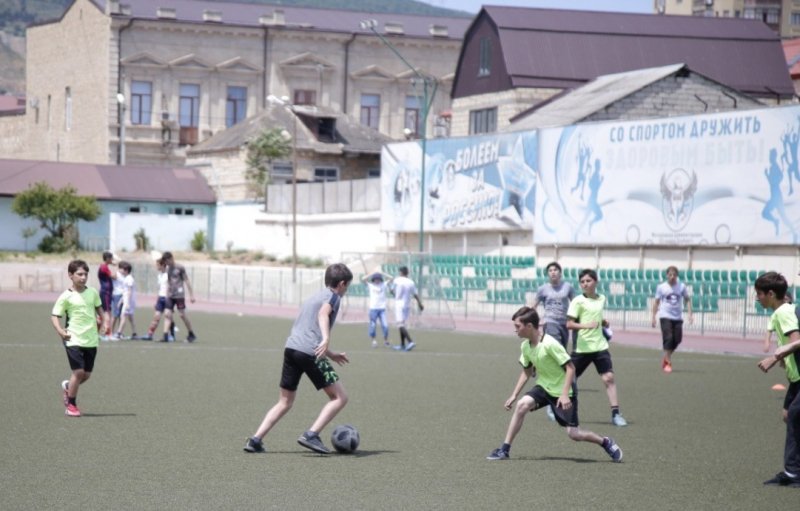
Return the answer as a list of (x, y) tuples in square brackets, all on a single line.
[(546, 357)]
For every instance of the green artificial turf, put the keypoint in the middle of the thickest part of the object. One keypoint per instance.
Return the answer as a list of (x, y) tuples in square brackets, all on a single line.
[(164, 427)]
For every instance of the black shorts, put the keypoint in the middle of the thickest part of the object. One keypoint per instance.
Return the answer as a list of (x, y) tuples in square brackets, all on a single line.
[(563, 417), (791, 394), (295, 363), (161, 304), (171, 303), (601, 360), (81, 358), (671, 333)]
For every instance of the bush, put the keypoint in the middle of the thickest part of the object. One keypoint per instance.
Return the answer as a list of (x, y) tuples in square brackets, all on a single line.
[(199, 241), (54, 245), (141, 240)]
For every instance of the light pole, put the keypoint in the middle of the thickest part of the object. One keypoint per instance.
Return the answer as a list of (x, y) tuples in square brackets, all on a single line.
[(121, 103), (284, 102), (429, 86)]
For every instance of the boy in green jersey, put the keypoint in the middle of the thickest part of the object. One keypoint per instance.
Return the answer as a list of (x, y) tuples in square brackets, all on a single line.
[(83, 310), (585, 314), (770, 292), (555, 371)]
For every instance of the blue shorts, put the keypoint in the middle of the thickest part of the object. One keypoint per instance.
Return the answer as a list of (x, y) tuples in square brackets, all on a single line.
[(161, 304), (116, 305)]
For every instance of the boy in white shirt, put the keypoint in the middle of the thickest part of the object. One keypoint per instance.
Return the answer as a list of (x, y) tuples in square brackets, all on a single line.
[(161, 301), (377, 305), (128, 306)]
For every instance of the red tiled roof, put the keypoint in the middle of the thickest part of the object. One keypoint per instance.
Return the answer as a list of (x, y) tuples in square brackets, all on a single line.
[(108, 182), (791, 50)]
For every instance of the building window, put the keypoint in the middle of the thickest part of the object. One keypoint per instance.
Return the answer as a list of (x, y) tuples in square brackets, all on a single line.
[(485, 57), (483, 121), (795, 18), (374, 172), (189, 105), (281, 172), (326, 174), (305, 97), (141, 102), (134, 209), (370, 110), (772, 16), (235, 105), (68, 109), (412, 117)]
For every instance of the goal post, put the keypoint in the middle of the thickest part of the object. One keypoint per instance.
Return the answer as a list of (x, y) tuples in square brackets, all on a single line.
[(422, 269)]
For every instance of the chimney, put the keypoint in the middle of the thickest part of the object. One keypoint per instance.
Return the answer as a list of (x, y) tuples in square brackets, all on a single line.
[(392, 27), (438, 30), (212, 16), (166, 13)]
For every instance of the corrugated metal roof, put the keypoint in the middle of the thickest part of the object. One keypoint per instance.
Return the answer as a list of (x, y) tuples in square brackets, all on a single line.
[(108, 182), (565, 48), (335, 20), (355, 138), (576, 105), (582, 102)]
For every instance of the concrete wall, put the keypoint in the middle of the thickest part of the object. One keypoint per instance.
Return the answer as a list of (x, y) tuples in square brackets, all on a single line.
[(170, 232)]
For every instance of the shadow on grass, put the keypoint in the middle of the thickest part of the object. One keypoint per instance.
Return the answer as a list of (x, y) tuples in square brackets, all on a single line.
[(558, 458), (108, 415)]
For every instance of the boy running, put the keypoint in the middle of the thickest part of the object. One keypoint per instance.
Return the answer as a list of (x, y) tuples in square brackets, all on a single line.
[(82, 308), (308, 351), (668, 305), (585, 314), (553, 387), (178, 284), (404, 289), (770, 292)]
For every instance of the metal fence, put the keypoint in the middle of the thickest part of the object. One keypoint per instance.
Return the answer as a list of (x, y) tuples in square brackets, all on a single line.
[(738, 316)]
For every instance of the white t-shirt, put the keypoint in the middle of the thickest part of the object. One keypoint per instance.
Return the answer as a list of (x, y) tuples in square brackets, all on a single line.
[(377, 295), (163, 282), (128, 293), (404, 291), (119, 285), (671, 299)]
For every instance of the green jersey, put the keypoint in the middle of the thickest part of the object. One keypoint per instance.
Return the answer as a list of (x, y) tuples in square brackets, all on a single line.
[(549, 357), (81, 312), (784, 321), (584, 310)]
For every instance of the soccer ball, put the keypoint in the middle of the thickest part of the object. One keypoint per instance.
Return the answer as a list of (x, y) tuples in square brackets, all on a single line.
[(345, 438)]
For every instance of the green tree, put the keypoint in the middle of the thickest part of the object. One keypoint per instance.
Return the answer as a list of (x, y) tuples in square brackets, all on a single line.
[(272, 144), (58, 212)]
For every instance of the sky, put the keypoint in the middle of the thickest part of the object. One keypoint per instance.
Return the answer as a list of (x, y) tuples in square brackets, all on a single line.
[(586, 5)]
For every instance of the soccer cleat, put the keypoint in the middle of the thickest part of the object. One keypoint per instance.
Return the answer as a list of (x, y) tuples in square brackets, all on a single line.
[(254, 445), (116, 337), (618, 420), (148, 337), (498, 454), (667, 366), (72, 411), (387, 344), (550, 414), (399, 348), (65, 388), (312, 441), (191, 337), (783, 479), (410, 346), (612, 449), (374, 343)]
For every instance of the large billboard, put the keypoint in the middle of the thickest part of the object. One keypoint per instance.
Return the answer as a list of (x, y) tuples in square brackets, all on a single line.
[(474, 183), (718, 179)]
